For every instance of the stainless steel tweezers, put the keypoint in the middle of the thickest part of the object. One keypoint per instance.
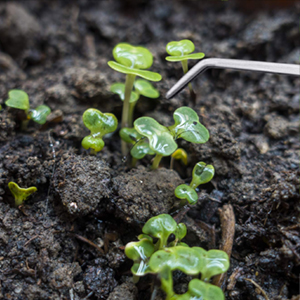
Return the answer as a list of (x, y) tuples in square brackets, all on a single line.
[(235, 64)]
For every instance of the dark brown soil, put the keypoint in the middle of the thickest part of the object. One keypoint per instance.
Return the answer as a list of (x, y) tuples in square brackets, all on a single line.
[(67, 241)]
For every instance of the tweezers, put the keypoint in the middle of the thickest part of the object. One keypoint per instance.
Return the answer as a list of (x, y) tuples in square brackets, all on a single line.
[(235, 64)]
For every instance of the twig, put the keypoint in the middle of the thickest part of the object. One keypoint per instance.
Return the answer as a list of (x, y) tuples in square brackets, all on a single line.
[(30, 240), (228, 228), (259, 287), (83, 239)]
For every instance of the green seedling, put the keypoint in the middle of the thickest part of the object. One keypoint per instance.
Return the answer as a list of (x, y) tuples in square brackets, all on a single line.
[(181, 51), (141, 145), (191, 261), (20, 194), (179, 154), (202, 173), (164, 257), (131, 61), (162, 140), (142, 87), (19, 99), (99, 124)]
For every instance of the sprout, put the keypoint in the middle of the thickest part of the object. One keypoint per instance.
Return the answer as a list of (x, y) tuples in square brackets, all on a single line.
[(180, 51), (162, 139), (163, 258), (140, 144), (131, 61), (99, 124), (19, 99), (202, 173), (20, 194), (179, 154)]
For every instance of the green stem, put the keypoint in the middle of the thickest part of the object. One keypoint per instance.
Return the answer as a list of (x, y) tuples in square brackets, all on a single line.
[(130, 117), (172, 163), (133, 162), (24, 125), (93, 152), (19, 201), (193, 184), (156, 161), (126, 104), (185, 68)]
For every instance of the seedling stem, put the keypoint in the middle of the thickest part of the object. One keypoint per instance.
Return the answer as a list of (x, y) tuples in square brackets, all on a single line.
[(126, 107), (156, 161)]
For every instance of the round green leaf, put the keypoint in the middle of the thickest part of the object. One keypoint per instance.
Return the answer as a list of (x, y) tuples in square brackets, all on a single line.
[(133, 57), (130, 135), (146, 89), (40, 114), (200, 290), (140, 252), (161, 141), (188, 127), (160, 227), (180, 48), (18, 99), (184, 191), (215, 262), (99, 123), (141, 148), (152, 76), (202, 173), (145, 236), (198, 55), (180, 258), (119, 88), (91, 142)]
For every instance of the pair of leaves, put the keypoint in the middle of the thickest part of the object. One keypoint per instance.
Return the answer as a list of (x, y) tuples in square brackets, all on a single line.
[(20, 100), (162, 139), (160, 227), (99, 124), (181, 50), (202, 173), (20, 194), (142, 87), (133, 60)]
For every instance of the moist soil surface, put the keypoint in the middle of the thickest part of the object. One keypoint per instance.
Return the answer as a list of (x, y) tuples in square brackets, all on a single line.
[(67, 241)]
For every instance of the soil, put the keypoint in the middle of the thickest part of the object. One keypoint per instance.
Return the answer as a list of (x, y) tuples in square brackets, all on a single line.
[(67, 241)]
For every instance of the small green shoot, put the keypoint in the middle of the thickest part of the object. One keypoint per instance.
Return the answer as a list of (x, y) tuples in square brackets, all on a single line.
[(131, 61), (19, 99), (99, 124), (163, 257), (162, 140), (181, 51), (20, 194), (179, 154), (202, 173)]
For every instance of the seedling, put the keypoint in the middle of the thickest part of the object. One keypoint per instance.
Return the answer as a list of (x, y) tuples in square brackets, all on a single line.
[(181, 51), (164, 257), (142, 87), (20, 194), (162, 140), (140, 144), (179, 154), (20, 100), (131, 61), (99, 124), (202, 173)]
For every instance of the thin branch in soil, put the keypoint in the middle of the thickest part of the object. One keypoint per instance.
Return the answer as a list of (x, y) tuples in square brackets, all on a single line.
[(33, 238), (228, 229), (83, 239), (259, 287), (233, 278)]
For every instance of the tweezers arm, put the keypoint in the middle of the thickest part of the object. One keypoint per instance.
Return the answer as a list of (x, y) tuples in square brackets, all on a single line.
[(235, 64)]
